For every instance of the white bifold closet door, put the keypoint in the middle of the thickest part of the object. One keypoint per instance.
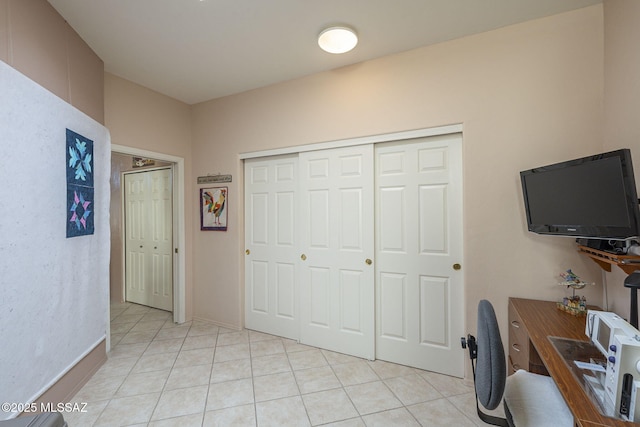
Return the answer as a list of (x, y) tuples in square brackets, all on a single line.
[(149, 237), (271, 293), (336, 240)]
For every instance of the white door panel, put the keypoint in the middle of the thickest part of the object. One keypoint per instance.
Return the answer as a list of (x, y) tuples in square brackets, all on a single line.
[(336, 238), (419, 301), (432, 205), (136, 254), (286, 294), (271, 294), (149, 241), (392, 290), (162, 239)]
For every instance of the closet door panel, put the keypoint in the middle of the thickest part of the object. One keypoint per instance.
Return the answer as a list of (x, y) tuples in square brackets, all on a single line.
[(271, 291), (336, 243), (420, 294)]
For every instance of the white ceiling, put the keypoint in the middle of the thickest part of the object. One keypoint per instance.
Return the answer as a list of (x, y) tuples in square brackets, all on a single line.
[(197, 50)]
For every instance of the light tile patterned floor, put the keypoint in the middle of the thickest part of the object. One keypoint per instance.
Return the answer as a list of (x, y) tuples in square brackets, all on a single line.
[(198, 374)]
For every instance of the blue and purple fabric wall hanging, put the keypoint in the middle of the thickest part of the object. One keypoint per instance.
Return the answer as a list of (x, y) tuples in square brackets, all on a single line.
[(80, 195)]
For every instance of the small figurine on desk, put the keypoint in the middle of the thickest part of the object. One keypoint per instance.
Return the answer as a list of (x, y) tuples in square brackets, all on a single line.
[(575, 305)]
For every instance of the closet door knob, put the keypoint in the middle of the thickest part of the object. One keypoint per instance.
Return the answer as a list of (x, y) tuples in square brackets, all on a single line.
[(303, 257), (368, 261), (457, 266), (247, 252)]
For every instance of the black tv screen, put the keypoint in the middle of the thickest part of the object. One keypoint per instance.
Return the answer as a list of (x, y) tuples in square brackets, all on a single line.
[(591, 197)]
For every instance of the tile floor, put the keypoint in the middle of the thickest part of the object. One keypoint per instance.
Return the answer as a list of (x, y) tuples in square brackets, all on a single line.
[(198, 374)]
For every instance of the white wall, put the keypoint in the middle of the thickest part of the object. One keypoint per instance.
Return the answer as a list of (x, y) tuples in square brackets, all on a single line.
[(54, 298)]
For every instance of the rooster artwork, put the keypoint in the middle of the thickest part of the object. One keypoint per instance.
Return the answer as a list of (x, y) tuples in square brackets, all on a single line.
[(213, 212)]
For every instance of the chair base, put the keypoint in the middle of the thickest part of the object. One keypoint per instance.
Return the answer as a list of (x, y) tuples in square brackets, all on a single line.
[(490, 419)]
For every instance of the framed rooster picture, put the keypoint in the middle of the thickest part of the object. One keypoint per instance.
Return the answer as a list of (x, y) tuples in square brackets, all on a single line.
[(213, 208)]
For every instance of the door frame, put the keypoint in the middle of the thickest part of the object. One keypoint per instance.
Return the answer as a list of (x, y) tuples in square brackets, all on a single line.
[(373, 139), (350, 142), (179, 243)]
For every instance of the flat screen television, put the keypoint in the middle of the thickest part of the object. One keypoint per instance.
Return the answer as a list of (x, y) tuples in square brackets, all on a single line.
[(592, 197)]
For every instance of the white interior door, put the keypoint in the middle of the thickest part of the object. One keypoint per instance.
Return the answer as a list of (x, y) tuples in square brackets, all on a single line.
[(271, 296), (148, 238), (336, 240), (419, 292)]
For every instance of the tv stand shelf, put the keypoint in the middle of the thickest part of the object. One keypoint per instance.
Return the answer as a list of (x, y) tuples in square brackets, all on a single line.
[(628, 263)]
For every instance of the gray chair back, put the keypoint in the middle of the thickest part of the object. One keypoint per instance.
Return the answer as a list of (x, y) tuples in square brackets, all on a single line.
[(491, 369)]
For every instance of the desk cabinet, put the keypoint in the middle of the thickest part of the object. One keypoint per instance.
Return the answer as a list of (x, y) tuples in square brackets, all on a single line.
[(518, 342)]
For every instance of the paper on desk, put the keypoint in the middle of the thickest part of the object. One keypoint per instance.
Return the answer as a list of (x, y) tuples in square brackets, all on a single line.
[(590, 366)]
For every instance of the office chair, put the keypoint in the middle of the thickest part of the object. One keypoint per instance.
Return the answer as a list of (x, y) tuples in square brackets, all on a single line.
[(529, 399)]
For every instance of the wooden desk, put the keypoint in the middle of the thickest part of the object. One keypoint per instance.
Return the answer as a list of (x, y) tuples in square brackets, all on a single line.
[(537, 320)]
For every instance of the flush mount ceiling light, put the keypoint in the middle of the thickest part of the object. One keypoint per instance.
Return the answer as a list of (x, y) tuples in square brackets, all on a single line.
[(337, 39)]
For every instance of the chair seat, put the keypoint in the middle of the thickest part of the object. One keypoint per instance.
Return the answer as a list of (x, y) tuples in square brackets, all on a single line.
[(534, 400)]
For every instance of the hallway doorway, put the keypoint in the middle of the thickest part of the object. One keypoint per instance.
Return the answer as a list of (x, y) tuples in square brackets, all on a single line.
[(122, 160)]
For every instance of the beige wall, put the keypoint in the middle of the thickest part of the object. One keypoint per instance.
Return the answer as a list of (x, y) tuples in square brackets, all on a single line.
[(527, 95), (140, 118), (621, 106), (38, 42)]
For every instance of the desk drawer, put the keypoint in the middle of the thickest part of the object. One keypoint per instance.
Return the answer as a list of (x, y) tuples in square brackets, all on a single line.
[(517, 330), (518, 342), (512, 366), (518, 356)]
